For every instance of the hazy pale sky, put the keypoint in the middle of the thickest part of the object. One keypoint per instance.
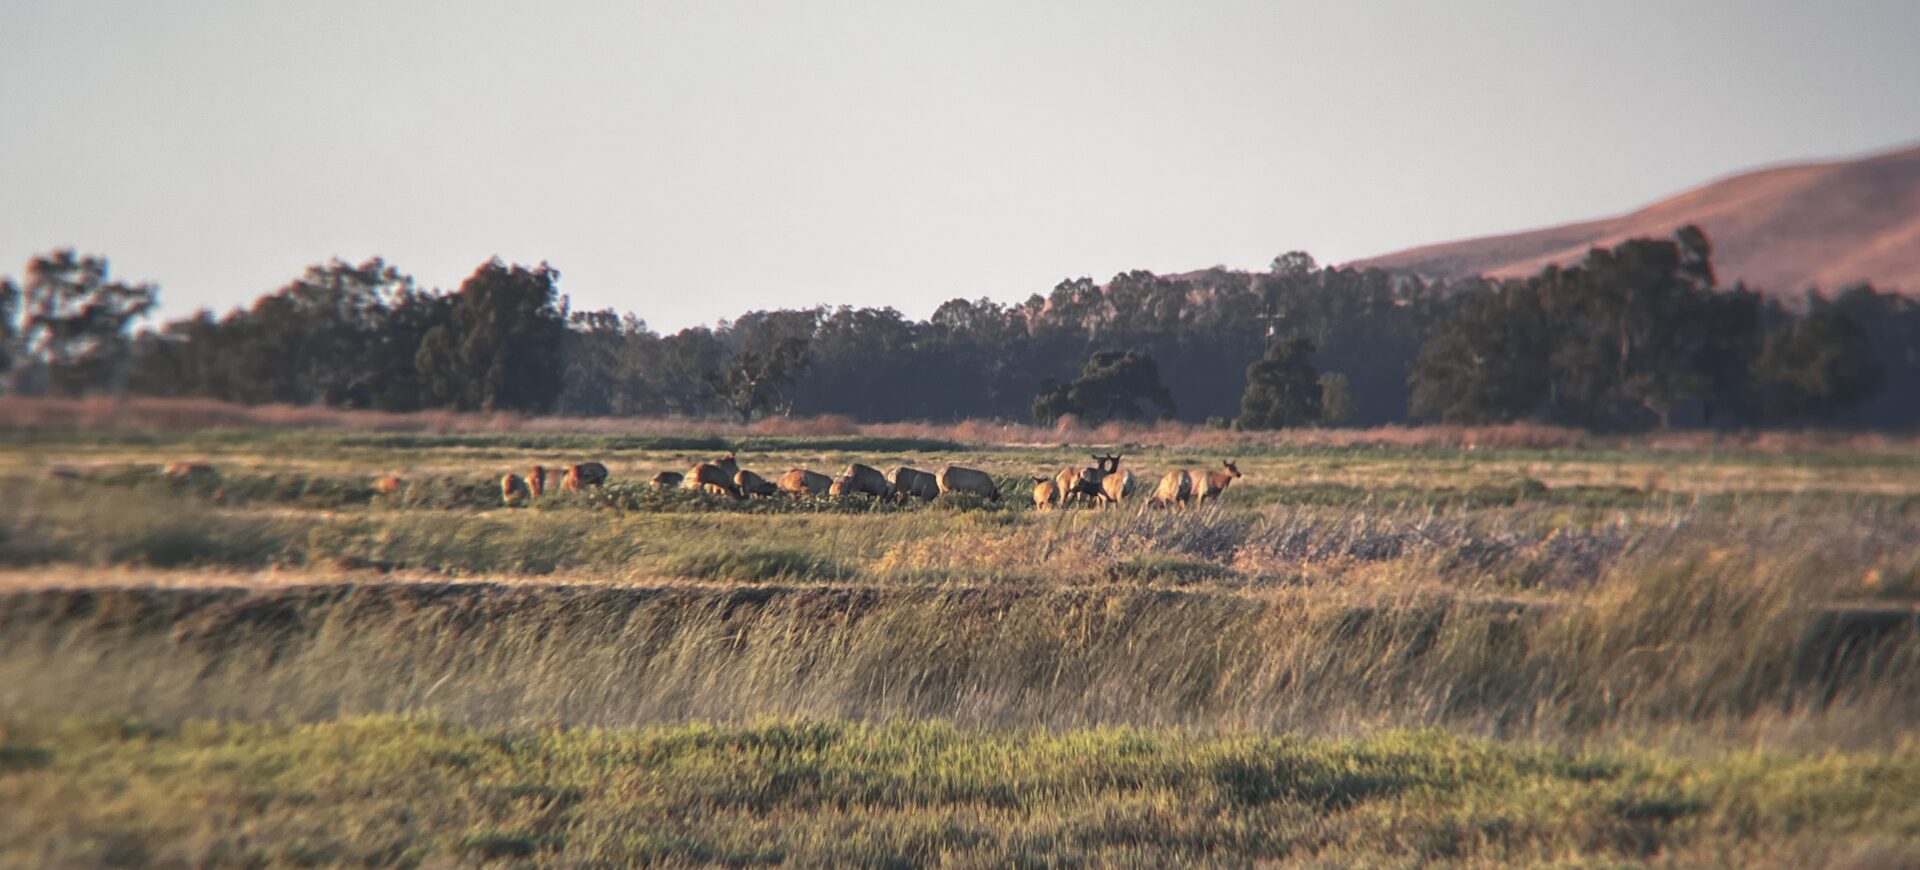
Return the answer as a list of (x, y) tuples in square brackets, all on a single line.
[(692, 161)]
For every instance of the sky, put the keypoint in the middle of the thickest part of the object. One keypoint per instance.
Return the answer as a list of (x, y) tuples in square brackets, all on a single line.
[(691, 161)]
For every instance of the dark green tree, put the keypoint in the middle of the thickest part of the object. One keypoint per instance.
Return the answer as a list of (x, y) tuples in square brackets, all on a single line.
[(1055, 400), (1117, 384), (1488, 362), (1113, 385), (1283, 389), (1337, 402), (500, 346), (757, 381), (1817, 366), (66, 327)]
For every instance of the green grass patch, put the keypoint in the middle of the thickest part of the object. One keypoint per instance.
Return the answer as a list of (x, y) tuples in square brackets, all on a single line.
[(379, 791)]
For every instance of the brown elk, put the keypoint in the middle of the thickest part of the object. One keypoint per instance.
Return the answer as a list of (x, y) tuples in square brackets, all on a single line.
[(537, 481), (751, 484), (667, 480), (388, 484), (513, 489), (1209, 484), (913, 483), (582, 475), (1081, 483), (1045, 492), (716, 476), (1116, 486), (801, 482), (954, 478), (1175, 489), (864, 480)]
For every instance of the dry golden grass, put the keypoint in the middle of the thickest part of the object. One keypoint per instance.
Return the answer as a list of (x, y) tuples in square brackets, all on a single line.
[(187, 415)]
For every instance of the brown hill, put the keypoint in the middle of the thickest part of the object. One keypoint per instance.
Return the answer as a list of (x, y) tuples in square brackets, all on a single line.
[(1783, 229)]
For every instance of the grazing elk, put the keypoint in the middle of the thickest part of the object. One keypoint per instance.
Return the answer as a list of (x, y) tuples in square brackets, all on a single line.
[(751, 484), (715, 477), (954, 478), (864, 480), (801, 482), (913, 483), (667, 480), (1175, 489), (388, 484), (583, 475)]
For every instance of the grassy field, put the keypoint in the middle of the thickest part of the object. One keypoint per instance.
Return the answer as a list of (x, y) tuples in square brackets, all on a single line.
[(1366, 654)]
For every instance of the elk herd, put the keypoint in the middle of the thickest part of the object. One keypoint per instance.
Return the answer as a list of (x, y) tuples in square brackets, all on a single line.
[(1103, 483)]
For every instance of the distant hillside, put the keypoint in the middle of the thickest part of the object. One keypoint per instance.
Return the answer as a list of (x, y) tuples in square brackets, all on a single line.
[(1782, 230)]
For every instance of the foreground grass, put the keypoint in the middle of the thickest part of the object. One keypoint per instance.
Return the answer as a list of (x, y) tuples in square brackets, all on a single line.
[(403, 792)]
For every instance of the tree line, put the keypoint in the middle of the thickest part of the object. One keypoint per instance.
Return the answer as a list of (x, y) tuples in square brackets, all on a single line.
[(1635, 336)]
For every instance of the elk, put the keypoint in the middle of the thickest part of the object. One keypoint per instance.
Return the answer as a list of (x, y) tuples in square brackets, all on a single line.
[(1116, 486), (1175, 489), (513, 489), (751, 484), (864, 480), (801, 482), (714, 477), (667, 480), (1081, 483), (1045, 492), (388, 484), (954, 478), (582, 475), (1209, 484), (537, 481), (913, 483)]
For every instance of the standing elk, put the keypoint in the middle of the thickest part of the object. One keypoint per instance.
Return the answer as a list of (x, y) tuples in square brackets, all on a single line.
[(1045, 492), (1175, 489), (1080, 483), (1116, 486), (954, 478), (1208, 485), (388, 484), (537, 481)]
